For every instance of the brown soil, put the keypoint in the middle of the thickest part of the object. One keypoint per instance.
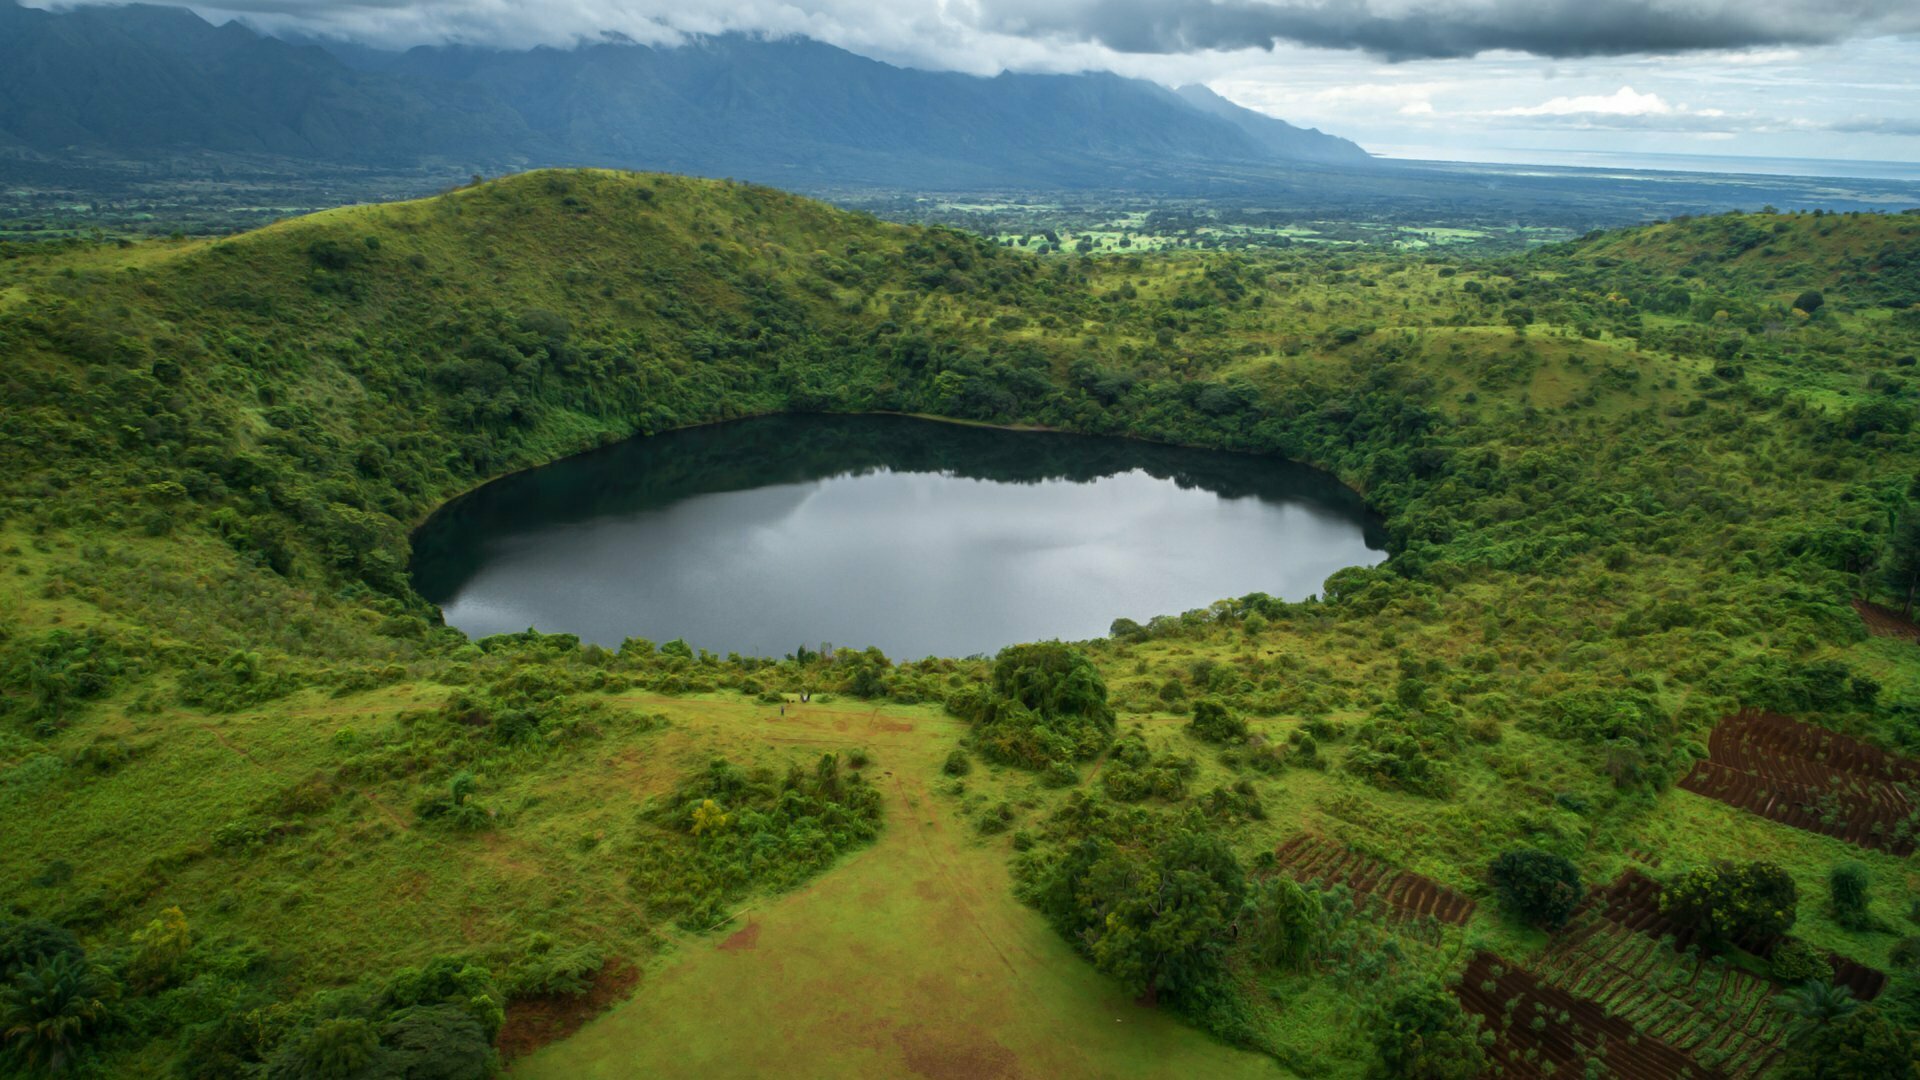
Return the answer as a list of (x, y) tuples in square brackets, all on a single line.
[(1809, 778), (747, 937), (534, 1022), (1885, 621)]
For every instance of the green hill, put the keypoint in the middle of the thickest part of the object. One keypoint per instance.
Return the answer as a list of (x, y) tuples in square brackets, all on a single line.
[(287, 815)]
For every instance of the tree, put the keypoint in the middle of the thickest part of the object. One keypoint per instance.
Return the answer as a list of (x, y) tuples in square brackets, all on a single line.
[(1853, 1044), (1538, 887), (51, 1010), (1809, 301), (29, 941), (1901, 570), (438, 1042), (1285, 923), (1158, 919), (1046, 702), (1424, 1034), (1727, 904), (158, 950), (1213, 722)]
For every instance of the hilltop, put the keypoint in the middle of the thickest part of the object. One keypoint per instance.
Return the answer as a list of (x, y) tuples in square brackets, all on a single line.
[(1629, 492)]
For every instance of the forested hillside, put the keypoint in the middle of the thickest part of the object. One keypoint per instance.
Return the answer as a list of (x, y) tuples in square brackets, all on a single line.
[(1633, 486)]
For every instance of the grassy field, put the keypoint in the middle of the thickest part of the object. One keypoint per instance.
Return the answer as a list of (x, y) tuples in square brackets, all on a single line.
[(911, 958)]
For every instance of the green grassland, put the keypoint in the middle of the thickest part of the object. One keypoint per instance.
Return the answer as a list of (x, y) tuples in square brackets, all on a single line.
[(1629, 489)]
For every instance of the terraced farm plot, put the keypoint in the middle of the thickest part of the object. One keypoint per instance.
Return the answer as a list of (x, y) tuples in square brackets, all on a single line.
[(1541, 1030), (1886, 622), (1716, 1014), (1405, 894), (1632, 902), (1811, 779)]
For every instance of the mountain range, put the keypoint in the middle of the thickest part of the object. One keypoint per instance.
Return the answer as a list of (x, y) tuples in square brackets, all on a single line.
[(147, 82)]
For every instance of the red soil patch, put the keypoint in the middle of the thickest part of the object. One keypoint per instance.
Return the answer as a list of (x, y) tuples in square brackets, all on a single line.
[(1409, 895), (1886, 622), (747, 937), (1809, 778), (534, 1022)]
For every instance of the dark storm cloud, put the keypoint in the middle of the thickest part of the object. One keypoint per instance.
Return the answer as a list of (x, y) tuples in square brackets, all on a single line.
[(1445, 29)]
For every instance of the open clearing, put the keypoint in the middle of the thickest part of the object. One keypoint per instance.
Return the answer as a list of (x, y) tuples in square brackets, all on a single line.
[(909, 958)]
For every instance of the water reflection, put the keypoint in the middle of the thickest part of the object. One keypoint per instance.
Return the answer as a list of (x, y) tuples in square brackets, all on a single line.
[(919, 537)]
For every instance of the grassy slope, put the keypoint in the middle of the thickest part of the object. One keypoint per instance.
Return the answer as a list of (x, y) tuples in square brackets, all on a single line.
[(145, 780)]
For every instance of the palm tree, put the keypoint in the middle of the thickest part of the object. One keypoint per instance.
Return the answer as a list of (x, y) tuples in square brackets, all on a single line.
[(51, 1009), (1814, 1005)]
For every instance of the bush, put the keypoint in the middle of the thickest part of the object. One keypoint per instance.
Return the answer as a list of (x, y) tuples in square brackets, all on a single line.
[(1538, 887), (1213, 722), (546, 968), (1848, 887), (1905, 954), (957, 763), (1795, 961)]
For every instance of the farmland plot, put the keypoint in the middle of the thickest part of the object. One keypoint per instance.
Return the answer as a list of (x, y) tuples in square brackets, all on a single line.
[(1405, 894), (1810, 778), (1541, 1030)]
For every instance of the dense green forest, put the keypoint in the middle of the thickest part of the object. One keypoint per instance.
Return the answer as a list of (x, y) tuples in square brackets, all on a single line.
[(1633, 485)]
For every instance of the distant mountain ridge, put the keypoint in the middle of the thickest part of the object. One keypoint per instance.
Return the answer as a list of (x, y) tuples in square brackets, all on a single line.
[(141, 81)]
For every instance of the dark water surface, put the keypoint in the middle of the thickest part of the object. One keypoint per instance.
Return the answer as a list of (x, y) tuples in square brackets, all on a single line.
[(919, 537)]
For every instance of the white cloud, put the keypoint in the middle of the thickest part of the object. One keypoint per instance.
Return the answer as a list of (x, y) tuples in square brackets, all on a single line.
[(1625, 101)]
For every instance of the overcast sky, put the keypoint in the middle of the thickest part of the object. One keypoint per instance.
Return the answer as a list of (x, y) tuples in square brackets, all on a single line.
[(1498, 80)]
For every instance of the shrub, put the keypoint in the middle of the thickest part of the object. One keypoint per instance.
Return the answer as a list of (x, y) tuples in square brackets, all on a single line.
[(1538, 887), (341, 1046), (545, 967), (1905, 953), (1213, 722), (446, 980), (1848, 886), (1795, 961), (957, 763)]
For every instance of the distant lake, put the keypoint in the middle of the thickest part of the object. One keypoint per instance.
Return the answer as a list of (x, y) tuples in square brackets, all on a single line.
[(919, 537)]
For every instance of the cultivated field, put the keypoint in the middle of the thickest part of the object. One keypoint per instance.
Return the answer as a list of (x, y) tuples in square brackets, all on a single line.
[(1809, 778), (1308, 858)]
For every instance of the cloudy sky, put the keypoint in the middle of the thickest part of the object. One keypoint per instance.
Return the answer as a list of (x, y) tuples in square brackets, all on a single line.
[(1497, 80)]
